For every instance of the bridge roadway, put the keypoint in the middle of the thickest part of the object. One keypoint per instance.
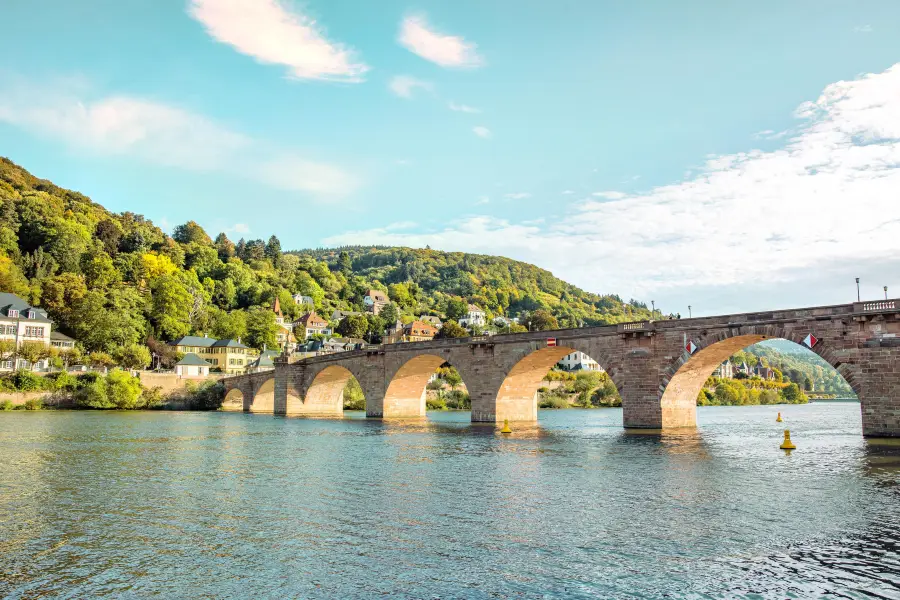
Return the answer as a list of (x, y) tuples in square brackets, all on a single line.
[(651, 363)]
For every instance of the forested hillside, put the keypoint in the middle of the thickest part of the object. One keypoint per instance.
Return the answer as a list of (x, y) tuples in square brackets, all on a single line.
[(117, 280)]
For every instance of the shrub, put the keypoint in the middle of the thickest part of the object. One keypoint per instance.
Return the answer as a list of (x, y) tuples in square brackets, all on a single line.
[(6, 405), (209, 395), (353, 396), (61, 381), (33, 404), (436, 384), (91, 392), (123, 390), (437, 403), (26, 381), (554, 401), (457, 400), (152, 398)]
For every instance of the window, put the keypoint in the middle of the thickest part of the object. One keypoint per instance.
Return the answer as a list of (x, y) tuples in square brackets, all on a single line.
[(30, 314), (12, 313), (11, 329), (34, 332), (6, 364)]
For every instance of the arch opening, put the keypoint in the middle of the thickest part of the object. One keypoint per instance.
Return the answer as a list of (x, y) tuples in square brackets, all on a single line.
[(234, 400), (407, 392), (748, 370), (553, 377), (264, 398), (332, 390)]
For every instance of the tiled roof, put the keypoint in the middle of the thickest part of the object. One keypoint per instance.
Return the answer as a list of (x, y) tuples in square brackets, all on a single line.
[(195, 340), (192, 360), (228, 344), (311, 319), (56, 336), (377, 295), (12, 302), (473, 308)]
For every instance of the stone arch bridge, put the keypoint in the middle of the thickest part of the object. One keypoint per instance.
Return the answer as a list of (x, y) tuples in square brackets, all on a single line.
[(658, 367)]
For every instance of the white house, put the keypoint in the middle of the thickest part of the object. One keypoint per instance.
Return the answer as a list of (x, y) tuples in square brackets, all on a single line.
[(725, 370), (192, 366), (21, 323), (375, 300), (301, 299), (474, 316), (578, 361)]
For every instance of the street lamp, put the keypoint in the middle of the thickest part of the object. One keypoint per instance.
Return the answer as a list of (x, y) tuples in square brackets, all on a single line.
[(689, 311), (885, 292), (653, 304), (857, 289)]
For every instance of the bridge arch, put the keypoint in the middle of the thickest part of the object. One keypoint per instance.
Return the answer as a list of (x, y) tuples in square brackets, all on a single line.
[(234, 400), (686, 377), (517, 398), (407, 387), (325, 395), (263, 400)]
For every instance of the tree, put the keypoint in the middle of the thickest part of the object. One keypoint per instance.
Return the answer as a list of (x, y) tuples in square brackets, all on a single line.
[(399, 293), (32, 352), (273, 250), (540, 320), (11, 278), (190, 232), (132, 356), (122, 390), (452, 377), (225, 293), (451, 329), (99, 270), (109, 232), (457, 308), (261, 328), (354, 326), (7, 349), (228, 325), (171, 307), (101, 360), (389, 314), (345, 265), (224, 247)]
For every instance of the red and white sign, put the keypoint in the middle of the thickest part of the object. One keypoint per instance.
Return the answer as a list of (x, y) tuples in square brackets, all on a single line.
[(691, 347), (810, 340), (551, 341)]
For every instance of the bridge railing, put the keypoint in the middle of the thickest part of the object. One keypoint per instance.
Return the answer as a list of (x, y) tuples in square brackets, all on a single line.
[(876, 306), (634, 327)]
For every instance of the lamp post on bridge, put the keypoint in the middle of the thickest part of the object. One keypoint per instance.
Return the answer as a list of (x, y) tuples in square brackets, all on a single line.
[(690, 315), (857, 289), (885, 292), (653, 312)]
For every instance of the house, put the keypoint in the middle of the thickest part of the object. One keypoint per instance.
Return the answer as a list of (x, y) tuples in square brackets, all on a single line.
[(61, 342), (432, 320), (279, 316), (724, 371), (339, 315), (21, 323), (418, 331), (474, 316), (578, 361), (300, 300), (375, 300), (285, 336), (394, 333), (311, 324), (264, 362), (192, 366), (227, 356), (763, 372)]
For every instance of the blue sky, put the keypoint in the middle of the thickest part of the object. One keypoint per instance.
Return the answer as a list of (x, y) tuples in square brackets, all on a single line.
[(698, 153)]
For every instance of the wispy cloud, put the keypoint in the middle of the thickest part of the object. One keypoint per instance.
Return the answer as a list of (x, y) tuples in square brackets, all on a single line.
[(567, 192), (863, 29), (610, 195), (482, 132), (160, 133), (482, 200), (518, 195), (445, 50), (740, 229), (272, 34), (462, 108), (405, 86), (239, 228)]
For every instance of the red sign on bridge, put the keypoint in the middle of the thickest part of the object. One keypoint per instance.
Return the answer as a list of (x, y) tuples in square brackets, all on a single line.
[(551, 341)]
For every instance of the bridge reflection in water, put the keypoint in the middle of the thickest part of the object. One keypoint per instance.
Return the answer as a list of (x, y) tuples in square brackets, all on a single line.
[(658, 367)]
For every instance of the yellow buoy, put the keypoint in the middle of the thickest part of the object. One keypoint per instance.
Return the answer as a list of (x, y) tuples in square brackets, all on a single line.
[(787, 444), (506, 428), (778, 420)]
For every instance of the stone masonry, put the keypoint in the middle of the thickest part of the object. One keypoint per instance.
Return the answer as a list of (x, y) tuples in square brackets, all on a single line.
[(655, 374)]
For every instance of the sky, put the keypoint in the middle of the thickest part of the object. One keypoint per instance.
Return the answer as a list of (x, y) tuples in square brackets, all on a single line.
[(730, 156)]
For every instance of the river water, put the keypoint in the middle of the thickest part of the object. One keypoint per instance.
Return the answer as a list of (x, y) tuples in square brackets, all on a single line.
[(226, 505)]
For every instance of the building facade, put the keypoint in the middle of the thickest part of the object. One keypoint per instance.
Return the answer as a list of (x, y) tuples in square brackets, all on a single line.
[(227, 356), (21, 323), (474, 316), (578, 361), (375, 300)]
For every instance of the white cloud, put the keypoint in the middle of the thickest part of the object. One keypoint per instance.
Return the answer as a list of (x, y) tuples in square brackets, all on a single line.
[(611, 195), (403, 162), (482, 200), (863, 29), (463, 108), (518, 195), (405, 86), (272, 34), (568, 192), (751, 230), (482, 132), (160, 134), (240, 228), (445, 50)]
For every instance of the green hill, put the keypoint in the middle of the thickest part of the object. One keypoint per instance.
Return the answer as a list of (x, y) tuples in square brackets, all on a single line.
[(116, 280)]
